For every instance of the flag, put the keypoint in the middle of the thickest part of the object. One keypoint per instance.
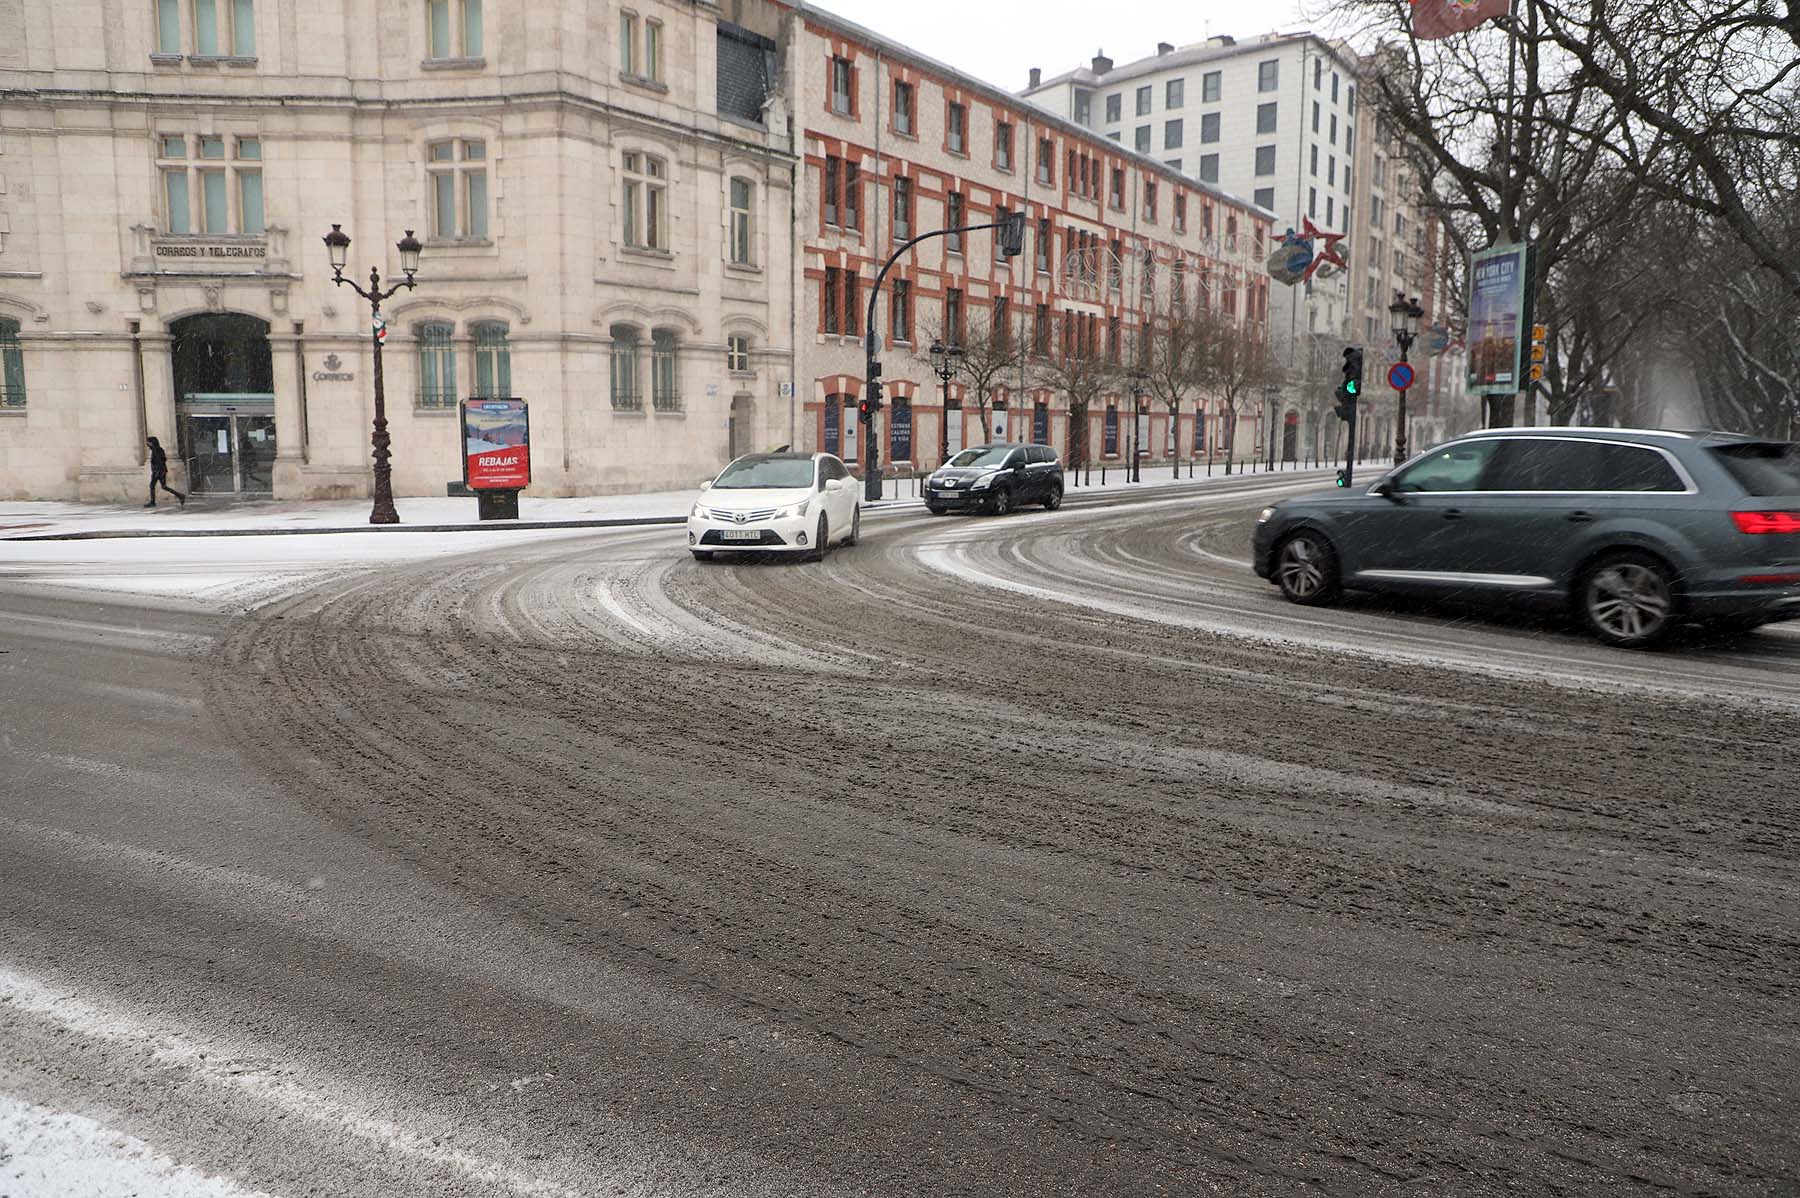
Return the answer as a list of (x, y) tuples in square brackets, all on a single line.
[(1434, 19), (381, 328)]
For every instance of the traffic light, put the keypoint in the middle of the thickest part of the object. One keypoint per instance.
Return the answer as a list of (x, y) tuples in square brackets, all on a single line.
[(1343, 480), (870, 403), (1012, 234), (1540, 335), (1351, 388)]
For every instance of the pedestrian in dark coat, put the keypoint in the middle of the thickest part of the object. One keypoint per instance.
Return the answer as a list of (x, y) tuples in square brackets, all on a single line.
[(159, 473)]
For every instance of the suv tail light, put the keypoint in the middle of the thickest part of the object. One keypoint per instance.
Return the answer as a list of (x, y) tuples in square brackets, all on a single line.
[(1767, 522)]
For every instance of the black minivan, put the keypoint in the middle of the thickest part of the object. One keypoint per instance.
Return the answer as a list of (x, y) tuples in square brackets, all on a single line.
[(996, 478)]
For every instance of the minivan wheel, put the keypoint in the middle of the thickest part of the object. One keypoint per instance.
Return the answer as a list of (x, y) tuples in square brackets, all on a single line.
[(1627, 599), (855, 527), (822, 539), (1306, 569), (1001, 502), (1053, 500)]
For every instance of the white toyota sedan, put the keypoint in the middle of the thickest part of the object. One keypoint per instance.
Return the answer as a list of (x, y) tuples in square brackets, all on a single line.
[(776, 503)]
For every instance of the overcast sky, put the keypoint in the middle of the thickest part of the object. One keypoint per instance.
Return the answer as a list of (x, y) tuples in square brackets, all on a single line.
[(1001, 40)]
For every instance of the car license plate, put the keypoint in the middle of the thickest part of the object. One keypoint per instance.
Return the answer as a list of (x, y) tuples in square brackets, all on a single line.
[(741, 534)]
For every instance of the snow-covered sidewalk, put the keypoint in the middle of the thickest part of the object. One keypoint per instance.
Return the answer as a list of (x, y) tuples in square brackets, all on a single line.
[(207, 517)]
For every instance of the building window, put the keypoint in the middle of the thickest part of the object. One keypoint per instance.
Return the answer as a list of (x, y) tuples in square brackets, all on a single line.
[(12, 365), (218, 29), (1334, 129), (459, 191), (829, 301), (1046, 163), (1143, 100), (1171, 135), (1315, 161), (955, 216), (903, 206), (1268, 75), (1180, 213), (737, 354), (1040, 331), (665, 394), (740, 223), (207, 190), (1334, 87), (493, 360), (1209, 128), (168, 26), (1350, 141), (1265, 118), (1350, 100), (840, 86), (646, 196), (628, 44), (903, 108), (1265, 198), (437, 365), (1209, 87), (653, 51), (834, 182), (1265, 160), (1331, 171), (953, 315), (454, 28), (1318, 73), (1003, 135), (1115, 108), (1312, 201), (1002, 326), (1330, 203), (852, 210), (1143, 139), (900, 311), (1117, 198), (626, 392), (1043, 244), (852, 303), (1149, 201), (1084, 108), (957, 129), (1175, 93)]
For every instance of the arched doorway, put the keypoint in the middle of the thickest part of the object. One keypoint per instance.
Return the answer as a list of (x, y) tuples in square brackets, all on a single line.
[(224, 402), (741, 427), (1290, 436)]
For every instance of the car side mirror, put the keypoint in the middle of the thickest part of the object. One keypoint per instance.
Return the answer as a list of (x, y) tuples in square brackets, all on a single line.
[(1385, 489), (707, 485), (822, 483)]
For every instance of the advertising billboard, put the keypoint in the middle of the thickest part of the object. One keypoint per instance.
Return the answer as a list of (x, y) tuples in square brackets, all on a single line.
[(496, 444), (1499, 311)]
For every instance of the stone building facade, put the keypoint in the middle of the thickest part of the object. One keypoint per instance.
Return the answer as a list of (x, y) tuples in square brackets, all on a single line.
[(896, 144), (604, 192)]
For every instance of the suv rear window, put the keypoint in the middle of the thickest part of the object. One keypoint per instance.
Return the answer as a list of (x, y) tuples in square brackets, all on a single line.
[(1567, 464), (1763, 467)]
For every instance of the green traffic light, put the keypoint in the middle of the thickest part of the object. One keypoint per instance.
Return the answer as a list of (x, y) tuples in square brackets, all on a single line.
[(1350, 387)]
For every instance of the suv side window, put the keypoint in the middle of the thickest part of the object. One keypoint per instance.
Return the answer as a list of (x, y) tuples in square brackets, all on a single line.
[(1455, 467), (1636, 468), (1043, 454), (1547, 464), (831, 469)]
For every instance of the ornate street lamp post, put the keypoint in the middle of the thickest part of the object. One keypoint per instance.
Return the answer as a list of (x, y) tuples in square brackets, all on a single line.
[(944, 362), (1405, 322), (337, 244)]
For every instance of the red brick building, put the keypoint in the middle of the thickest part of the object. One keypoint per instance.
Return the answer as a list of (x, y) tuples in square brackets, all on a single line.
[(893, 145)]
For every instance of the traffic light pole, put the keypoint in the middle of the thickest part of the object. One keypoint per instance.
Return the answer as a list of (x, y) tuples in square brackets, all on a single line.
[(872, 363)]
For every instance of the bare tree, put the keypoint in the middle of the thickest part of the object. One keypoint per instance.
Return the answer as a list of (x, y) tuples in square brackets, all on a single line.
[(1166, 351), (1232, 365), (1081, 374), (990, 358)]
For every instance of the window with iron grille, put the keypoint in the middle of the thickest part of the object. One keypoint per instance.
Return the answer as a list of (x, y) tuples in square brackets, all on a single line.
[(493, 360), (664, 387), (12, 366), (627, 393), (437, 365)]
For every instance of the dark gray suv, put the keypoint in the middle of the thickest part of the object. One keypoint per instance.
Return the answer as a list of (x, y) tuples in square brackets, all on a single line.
[(1634, 530)]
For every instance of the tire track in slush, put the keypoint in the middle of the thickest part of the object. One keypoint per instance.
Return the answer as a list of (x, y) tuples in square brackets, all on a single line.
[(1137, 928)]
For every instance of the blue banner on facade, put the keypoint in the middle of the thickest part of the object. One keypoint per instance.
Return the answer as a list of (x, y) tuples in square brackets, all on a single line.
[(1040, 424), (832, 412), (1111, 445), (900, 421)]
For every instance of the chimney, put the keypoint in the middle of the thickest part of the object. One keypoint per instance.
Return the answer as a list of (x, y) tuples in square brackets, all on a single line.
[(1037, 76), (1102, 64), (1163, 48), (1221, 40)]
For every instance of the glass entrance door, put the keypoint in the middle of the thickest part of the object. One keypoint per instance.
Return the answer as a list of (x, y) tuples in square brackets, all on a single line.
[(228, 453)]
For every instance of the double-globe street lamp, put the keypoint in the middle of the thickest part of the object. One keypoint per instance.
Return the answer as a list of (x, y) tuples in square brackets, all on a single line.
[(1138, 379), (1405, 314), (945, 359), (337, 244)]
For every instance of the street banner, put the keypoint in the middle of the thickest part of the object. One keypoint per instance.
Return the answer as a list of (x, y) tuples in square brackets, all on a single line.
[(1435, 19), (496, 444), (1499, 314)]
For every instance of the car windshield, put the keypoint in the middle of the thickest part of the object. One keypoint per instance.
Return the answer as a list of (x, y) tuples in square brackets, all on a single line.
[(1764, 467), (988, 456), (767, 474)]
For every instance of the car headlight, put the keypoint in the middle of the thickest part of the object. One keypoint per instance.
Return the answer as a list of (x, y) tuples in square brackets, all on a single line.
[(1266, 515), (795, 512), (986, 480), (699, 513)]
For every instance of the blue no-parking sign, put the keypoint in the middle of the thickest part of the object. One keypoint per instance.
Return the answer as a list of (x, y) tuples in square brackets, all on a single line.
[(1400, 376)]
